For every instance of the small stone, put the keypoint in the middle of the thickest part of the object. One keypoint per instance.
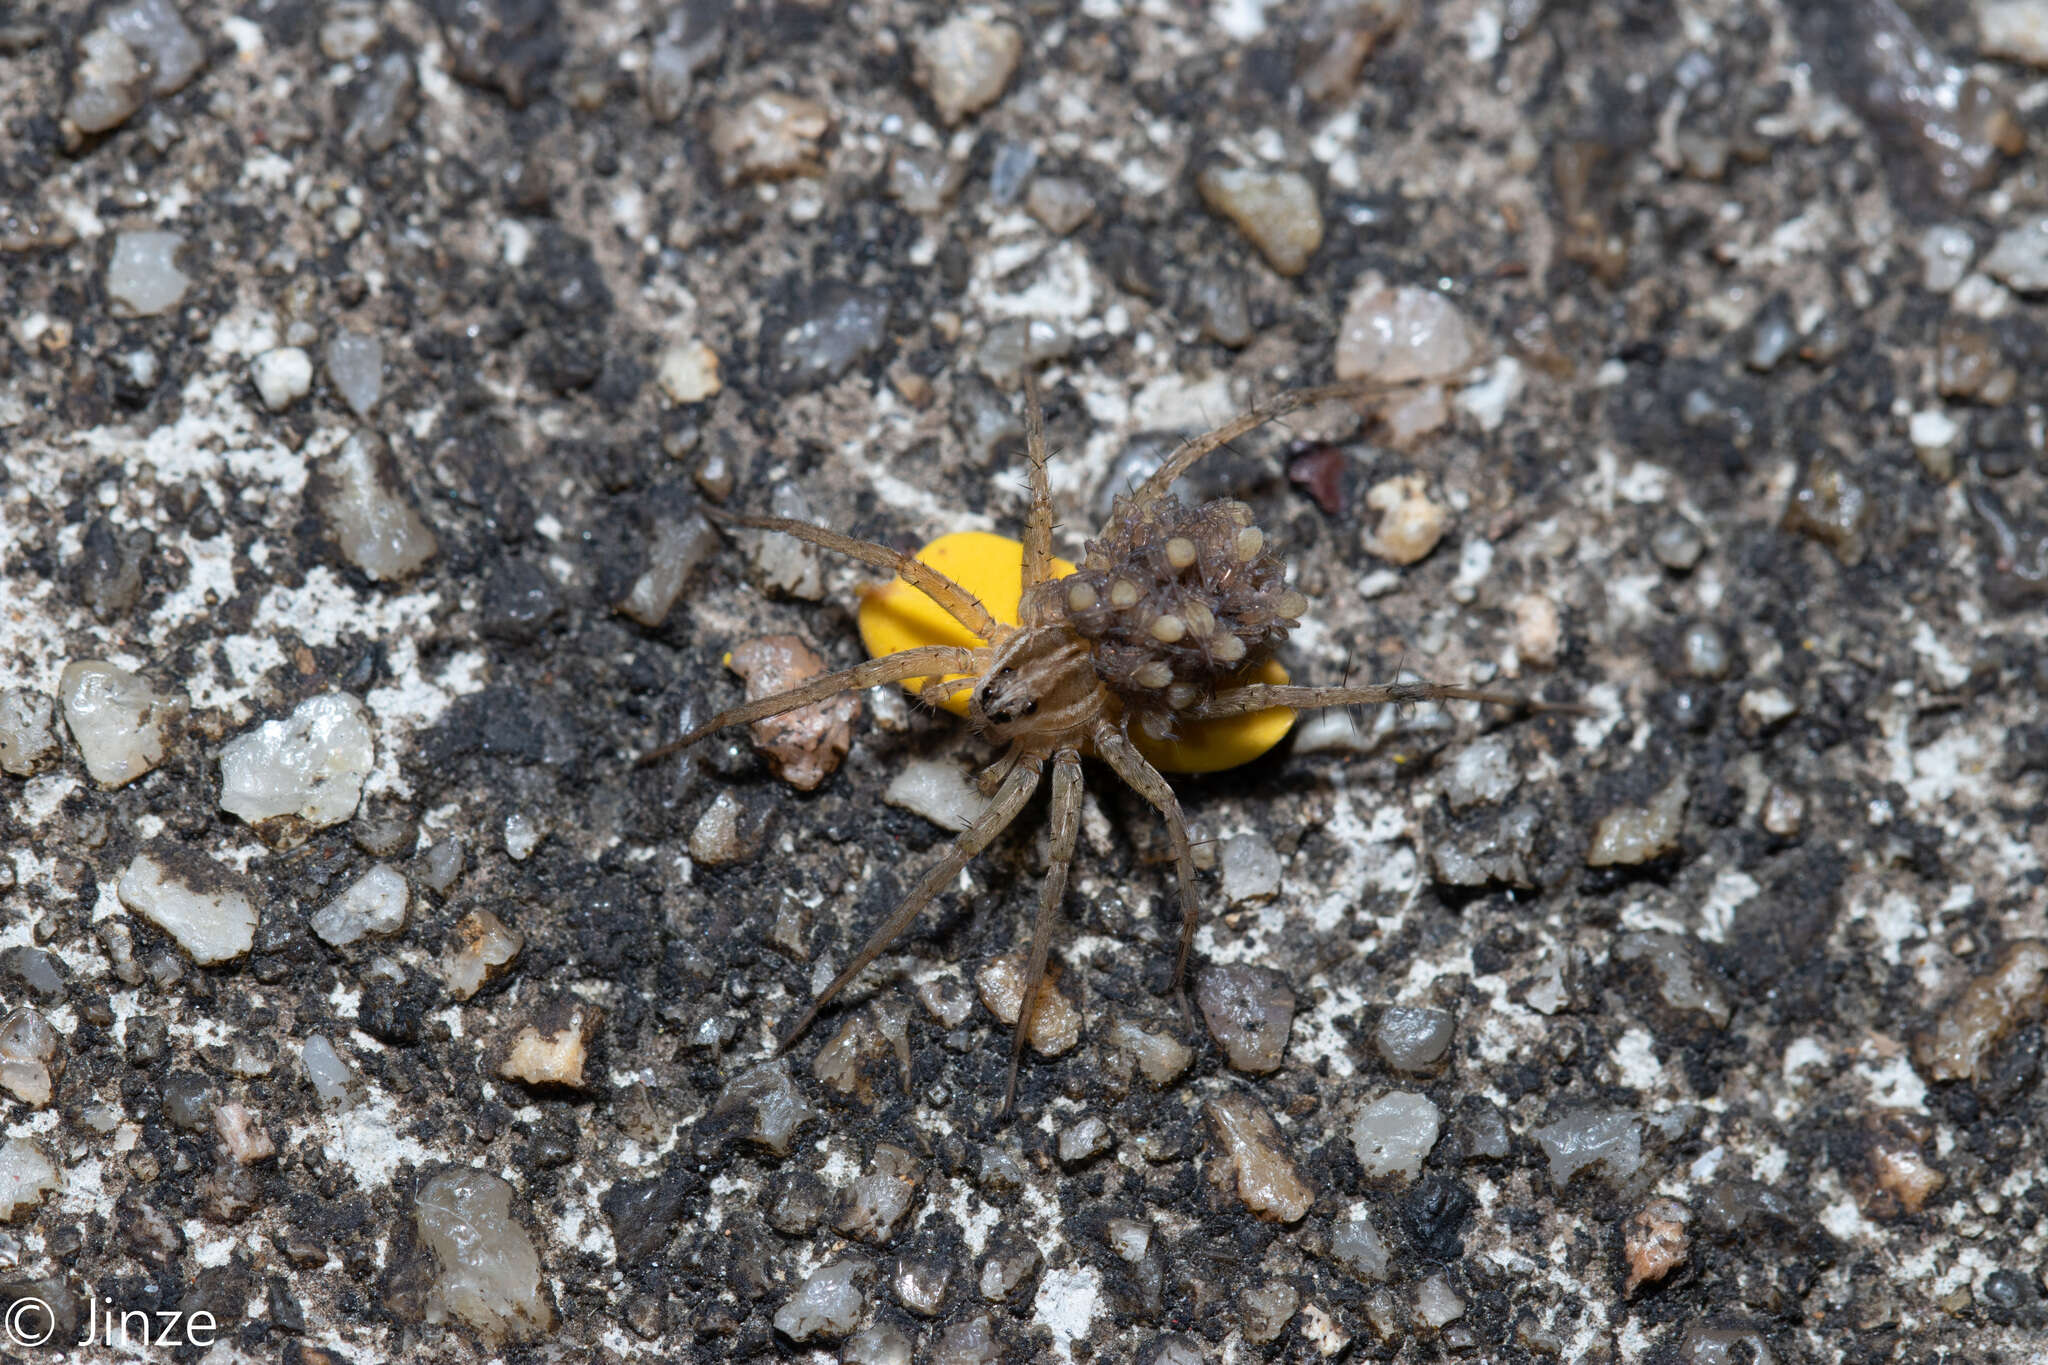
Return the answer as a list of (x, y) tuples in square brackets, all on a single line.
[(1250, 1159), (966, 63), (1677, 544), (881, 1197), (1959, 1043), (283, 376), (2019, 259), (835, 329), (1008, 1271), (31, 1056), (348, 29), (1055, 1024), (1539, 632), (1059, 203), (1276, 210), (28, 732), (1684, 980), (1084, 1139), (553, 1050), (972, 1342), (1399, 335), (677, 547), (848, 1063), (1969, 363), (1160, 1057), (142, 275), (107, 85), (1437, 1303), (1582, 1138), (1783, 813), (26, 1175), (1483, 772), (1945, 253), (924, 182), (1900, 1179), (884, 1343), (171, 51), (1413, 1038), (376, 529), (688, 372), (1250, 1011), (1654, 1242), (383, 104), (1251, 869), (720, 835), (311, 765), (2016, 29), (116, 719), (355, 366), (1763, 707), (1832, 507), (920, 1284), (441, 865), (772, 136), (1264, 1310), (1019, 344), (522, 836), (946, 999), (777, 1109), (828, 1306), (1410, 524), (804, 746), (1630, 836), (1394, 1133), (1703, 650), (374, 904), (478, 951), (1356, 1244), (209, 917), (488, 1274), (938, 790), (244, 1137), (678, 56), (332, 1078), (1215, 301)]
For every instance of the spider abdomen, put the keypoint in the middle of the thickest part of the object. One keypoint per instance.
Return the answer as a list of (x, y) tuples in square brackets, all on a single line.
[(1172, 600)]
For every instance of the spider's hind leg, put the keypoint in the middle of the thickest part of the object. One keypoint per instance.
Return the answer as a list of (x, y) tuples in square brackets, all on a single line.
[(1066, 825), (1115, 748), (993, 820), (1239, 701)]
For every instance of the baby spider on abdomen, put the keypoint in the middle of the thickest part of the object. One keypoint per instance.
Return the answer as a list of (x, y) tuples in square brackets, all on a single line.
[(1164, 630)]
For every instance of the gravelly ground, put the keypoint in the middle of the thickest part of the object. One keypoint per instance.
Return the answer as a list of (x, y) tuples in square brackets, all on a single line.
[(1700, 243)]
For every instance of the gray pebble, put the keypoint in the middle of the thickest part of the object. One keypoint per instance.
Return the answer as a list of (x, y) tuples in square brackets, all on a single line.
[(1677, 544), (1413, 1038), (838, 327), (383, 104)]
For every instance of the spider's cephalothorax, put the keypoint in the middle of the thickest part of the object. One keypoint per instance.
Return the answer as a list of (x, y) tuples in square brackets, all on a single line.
[(1162, 623)]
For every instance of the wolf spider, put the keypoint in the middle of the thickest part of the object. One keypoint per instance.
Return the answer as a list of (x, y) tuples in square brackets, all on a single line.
[(1172, 609)]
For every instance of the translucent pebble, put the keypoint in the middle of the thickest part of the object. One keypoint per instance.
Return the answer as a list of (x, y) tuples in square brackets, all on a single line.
[(331, 1076), (1394, 1133), (116, 719), (213, 921), (373, 904), (489, 1275), (355, 366), (311, 764), (143, 276), (1589, 1137)]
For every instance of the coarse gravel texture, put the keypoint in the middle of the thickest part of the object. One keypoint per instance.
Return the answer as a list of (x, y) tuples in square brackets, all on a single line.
[(1750, 462)]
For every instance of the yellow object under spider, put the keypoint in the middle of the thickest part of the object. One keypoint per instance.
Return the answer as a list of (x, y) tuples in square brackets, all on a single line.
[(897, 616)]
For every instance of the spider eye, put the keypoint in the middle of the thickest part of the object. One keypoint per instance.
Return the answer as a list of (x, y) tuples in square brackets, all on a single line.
[(1031, 708)]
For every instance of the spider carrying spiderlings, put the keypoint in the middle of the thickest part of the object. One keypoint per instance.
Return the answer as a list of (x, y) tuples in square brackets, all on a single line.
[(1166, 628)]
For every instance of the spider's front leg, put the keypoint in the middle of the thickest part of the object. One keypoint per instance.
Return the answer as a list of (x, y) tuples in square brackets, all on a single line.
[(930, 661), (1116, 749), (1066, 825)]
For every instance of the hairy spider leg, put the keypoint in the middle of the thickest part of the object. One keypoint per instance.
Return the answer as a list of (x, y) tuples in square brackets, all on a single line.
[(909, 663), (1182, 460), (1066, 825), (960, 604), (1037, 526), (1114, 747), (993, 820), (1258, 696)]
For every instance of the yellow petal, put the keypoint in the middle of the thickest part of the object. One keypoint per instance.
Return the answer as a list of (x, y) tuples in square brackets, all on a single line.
[(897, 616)]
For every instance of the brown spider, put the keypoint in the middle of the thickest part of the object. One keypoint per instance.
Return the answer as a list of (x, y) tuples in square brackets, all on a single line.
[(1171, 609)]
